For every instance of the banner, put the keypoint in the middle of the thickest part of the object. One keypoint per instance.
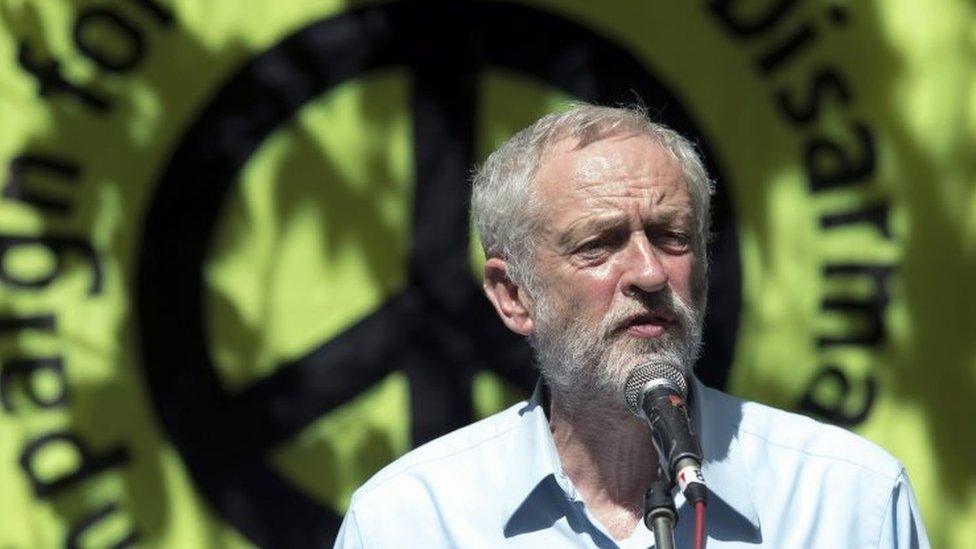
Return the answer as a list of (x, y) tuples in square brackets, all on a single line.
[(238, 276)]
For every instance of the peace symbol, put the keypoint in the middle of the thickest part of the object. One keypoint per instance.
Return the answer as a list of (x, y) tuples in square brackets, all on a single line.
[(440, 329)]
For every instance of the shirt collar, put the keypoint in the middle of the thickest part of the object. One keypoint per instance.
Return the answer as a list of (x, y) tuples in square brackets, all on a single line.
[(540, 493), (540, 457), (716, 419)]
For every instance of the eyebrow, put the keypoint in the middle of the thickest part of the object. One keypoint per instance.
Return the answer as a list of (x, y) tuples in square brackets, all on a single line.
[(599, 225)]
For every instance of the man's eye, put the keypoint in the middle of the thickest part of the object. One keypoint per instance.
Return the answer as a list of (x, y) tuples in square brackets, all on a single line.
[(591, 247), (596, 246), (674, 241)]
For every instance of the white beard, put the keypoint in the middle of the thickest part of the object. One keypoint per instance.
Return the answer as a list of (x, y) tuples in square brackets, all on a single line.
[(586, 367)]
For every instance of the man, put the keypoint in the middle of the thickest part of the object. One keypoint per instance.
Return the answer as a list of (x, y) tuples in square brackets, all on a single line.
[(594, 224)]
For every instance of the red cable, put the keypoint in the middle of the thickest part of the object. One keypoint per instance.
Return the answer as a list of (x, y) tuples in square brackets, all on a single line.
[(700, 525)]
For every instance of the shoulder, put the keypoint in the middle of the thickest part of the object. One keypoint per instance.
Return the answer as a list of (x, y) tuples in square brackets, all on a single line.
[(770, 433), (431, 488), (831, 486), (473, 443), (818, 443)]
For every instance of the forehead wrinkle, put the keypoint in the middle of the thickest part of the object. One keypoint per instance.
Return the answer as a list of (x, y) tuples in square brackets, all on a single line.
[(627, 197), (592, 169), (601, 172), (615, 165), (609, 192), (609, 181), (590, 224), (634, 195)]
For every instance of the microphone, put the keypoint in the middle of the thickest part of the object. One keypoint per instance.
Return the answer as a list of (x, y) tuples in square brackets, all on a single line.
[(656, 392)]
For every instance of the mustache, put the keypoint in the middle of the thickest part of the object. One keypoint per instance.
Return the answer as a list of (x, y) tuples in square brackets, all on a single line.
[(662, 305)]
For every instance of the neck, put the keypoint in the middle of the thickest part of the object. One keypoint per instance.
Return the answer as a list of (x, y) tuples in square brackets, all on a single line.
[(610, 459)]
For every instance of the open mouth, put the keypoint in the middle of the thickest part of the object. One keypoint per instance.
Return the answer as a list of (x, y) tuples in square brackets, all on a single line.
[(647, 324)]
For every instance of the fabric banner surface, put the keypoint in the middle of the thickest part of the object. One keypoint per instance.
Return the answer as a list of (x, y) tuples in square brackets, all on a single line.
[(238, 275)]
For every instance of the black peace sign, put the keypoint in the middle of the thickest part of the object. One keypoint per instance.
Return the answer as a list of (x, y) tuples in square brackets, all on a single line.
[(440, 329)]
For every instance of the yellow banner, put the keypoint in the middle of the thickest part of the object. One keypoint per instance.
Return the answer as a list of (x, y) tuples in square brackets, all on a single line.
[(237, 274)]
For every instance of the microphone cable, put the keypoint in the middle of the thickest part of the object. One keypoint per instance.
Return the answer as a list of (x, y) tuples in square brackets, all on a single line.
[(699, 525)]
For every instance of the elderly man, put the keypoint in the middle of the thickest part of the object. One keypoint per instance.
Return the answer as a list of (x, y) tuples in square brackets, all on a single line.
[(594, 225)]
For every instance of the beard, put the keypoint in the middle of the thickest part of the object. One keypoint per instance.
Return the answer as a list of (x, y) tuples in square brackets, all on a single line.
[(586, 367)]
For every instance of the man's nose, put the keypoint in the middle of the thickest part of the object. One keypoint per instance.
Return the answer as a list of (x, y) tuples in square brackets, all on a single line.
[(643, 268)]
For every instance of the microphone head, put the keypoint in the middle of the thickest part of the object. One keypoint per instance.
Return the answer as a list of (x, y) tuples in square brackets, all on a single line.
[(664, 372)]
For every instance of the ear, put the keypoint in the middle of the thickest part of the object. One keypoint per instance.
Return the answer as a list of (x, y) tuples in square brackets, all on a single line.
[(511, 303)]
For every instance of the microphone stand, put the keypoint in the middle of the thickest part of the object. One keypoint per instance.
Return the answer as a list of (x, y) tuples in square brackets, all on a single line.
[(660, 515)]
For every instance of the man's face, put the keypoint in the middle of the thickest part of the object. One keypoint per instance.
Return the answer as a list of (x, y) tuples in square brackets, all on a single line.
[(618, 267)]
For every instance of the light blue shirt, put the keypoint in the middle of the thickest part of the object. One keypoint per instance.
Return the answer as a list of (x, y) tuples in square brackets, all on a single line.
[(776, 479)]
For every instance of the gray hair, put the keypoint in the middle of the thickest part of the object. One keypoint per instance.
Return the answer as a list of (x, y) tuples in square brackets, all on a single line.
[(503, 204)]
